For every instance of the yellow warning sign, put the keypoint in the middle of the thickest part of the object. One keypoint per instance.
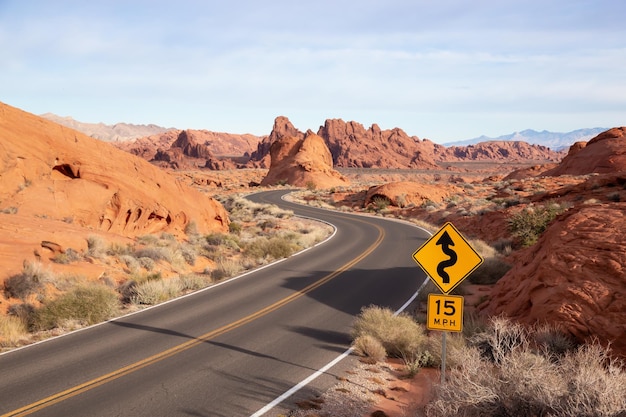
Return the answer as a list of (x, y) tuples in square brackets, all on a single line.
[(447, 258), (444, 312)]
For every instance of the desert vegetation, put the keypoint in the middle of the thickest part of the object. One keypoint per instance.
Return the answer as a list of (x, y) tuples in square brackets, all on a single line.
[(501, 368), (150, 270)]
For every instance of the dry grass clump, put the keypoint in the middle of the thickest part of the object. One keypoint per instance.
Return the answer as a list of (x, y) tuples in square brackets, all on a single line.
[(12, 330), (156, 291), (30, 281), (369, 347), (506, 371), (399, 335), (88, 304)]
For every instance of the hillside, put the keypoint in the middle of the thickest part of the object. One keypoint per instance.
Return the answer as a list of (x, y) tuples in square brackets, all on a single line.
[(59, 185)]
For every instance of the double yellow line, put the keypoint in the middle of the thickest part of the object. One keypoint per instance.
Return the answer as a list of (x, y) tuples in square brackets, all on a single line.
[(78, 389)]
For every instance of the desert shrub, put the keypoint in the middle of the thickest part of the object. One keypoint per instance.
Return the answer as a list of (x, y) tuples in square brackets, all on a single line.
[(69, 256), (524, 379), (399, 334), (455, 349), (276, 247), (148, 240), (226, 268), (156, 253), (131, 262), (24, 312), (234, 227), (156, 291), (96, 247), (369, 347), (189, 254), (146, 263), (380, 202), (490, 271), (191, 228), (220, 239), (595, 383), (12, 330), (86, 304), (116, 249), (10, 210), (528, 224), (553, 341), (30, 281), (501, 337), (193, 282)]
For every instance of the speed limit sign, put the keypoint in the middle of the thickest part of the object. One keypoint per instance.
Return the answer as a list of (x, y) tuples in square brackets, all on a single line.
[(445, 312)]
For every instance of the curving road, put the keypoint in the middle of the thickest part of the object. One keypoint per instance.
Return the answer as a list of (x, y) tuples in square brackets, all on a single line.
[(228, 350)]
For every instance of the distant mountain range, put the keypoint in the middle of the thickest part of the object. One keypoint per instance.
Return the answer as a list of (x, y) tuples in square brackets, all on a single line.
[(119, 132), (553, 140)]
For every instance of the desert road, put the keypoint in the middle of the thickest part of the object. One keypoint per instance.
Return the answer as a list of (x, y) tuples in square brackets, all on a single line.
[(229, 350)]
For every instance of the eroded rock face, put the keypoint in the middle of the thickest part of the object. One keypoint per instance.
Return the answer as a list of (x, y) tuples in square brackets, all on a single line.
[(404, 193), (353, 146), (574, 276), (54, 172), (514, 151), (606, 153), (305, 162)]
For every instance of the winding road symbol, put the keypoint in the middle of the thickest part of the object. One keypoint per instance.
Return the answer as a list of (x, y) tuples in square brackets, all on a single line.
[(446, 241), (447, 258)]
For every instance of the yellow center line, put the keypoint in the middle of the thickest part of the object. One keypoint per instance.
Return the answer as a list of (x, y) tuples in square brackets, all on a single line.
[(86, 386)]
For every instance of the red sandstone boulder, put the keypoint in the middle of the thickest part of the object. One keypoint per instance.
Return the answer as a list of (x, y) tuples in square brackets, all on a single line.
[(575, 276), (606, 153), (303, 162)]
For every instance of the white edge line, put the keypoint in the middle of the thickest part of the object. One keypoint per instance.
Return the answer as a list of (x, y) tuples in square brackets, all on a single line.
[(345, 354)]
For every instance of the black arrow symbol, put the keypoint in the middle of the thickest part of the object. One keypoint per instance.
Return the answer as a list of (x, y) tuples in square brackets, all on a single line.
[(446, 241)]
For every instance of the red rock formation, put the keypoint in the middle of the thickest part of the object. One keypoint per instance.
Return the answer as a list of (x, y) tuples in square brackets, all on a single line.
[(282, 128), (353, 146), (574, 276), (606, 153), (404, 193), (219, 144), (53, 171), (302, 162), (512, 151)]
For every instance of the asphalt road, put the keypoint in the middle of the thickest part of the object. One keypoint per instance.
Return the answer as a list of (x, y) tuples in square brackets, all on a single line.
[(228, 350)]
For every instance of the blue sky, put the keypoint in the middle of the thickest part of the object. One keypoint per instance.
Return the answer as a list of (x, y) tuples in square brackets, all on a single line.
[(439, 69)]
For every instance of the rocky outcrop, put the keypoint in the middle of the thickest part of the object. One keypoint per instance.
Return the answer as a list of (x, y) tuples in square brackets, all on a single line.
[(407, 193), (352, 146), (512, 151), (184, 148), (303, 162), (218, 144), (606, 153), (574, 276), (54, 172)]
